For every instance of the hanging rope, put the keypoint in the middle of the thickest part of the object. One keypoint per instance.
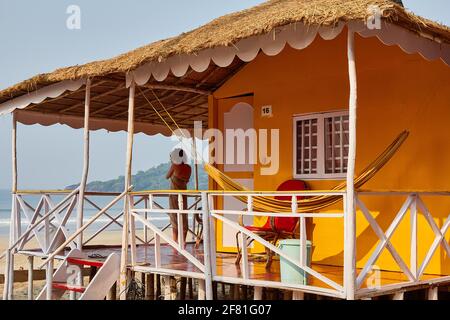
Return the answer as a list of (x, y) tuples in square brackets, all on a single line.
[(156, 111), (168, 113)]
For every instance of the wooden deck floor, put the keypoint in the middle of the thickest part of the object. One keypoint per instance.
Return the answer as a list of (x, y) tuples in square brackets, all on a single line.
[(226, 267)]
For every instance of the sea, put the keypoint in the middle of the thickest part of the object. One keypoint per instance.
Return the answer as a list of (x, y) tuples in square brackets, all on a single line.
[(159, 219)]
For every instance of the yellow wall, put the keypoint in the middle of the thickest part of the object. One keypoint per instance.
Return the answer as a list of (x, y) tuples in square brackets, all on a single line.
[(396, 91)]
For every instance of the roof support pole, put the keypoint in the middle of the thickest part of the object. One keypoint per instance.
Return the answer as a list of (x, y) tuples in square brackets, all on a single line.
[(126, 217), (14, 153), (13, 232), (84, 177), (349, 207)]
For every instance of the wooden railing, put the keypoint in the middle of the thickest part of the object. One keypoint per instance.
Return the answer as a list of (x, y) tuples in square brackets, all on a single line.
[(47, 224), (413, 204), (335, 289)]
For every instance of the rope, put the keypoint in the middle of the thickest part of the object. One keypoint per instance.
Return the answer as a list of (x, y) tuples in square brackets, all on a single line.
[(168, 113), (157, 112), (165, 122), (134, 291)]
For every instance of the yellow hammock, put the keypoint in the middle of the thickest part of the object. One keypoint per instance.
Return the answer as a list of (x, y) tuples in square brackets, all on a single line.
[(310, 204)]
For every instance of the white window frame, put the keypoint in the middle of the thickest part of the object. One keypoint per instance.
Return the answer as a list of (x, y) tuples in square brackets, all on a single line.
[(320, 116)]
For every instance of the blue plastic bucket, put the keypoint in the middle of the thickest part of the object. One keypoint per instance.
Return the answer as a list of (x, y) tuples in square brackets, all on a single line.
[(289, 272)]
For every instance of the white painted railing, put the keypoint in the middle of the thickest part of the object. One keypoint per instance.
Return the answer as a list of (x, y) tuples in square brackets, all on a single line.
[(334, 289), (47, 224), (153, 205), (414, 204), (51, 230)]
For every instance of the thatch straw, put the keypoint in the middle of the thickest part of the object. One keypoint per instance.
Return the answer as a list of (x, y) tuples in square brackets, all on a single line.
[(231, 28)]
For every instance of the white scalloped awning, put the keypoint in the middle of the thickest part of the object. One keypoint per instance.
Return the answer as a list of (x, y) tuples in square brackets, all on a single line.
[(38, 96), (46, 119), (298, 36)]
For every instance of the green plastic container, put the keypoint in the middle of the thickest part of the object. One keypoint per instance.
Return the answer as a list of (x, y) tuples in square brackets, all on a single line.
[(289, 272)]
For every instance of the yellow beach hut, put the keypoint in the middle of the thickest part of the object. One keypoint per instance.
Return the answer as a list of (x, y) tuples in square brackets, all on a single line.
[(318, 89)]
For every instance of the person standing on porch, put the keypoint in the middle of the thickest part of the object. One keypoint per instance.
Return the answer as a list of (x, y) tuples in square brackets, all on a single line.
[(179, 175)]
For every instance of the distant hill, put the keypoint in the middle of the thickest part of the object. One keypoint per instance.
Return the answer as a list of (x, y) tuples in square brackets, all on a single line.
[(152, 179)]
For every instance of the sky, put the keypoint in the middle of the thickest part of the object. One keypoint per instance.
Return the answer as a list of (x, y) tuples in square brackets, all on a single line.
[(35, 39)]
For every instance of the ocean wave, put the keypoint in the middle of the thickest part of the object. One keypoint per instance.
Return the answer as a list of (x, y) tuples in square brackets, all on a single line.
[(6, 222)]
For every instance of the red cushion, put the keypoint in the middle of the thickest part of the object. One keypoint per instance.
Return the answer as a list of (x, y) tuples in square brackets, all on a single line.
[(288, 224), (283, 224), (291, 185)]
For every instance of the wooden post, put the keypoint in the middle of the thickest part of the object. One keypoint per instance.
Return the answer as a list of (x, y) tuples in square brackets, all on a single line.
[(207, 247), (244, 292), (9, 266), (183, 285), (30, 277), (413, 230), (201, 290), (150, 286), (190, 288), (9, 277), (258, 293), (287, 295), (298, 295), (49, 279), (132, 229), (84, 177), (125, 228), (158, 287), (236, 292), (14, 153), (350, 229), (400, 295), (433, 293), (170, 288)]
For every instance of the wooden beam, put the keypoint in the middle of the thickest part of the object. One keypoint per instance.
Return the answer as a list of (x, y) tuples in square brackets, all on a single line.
[(152, 116), (65, 95), (118, 88), (118, 102), (180, 121), (207, 77), (145, 105), (177, 88)]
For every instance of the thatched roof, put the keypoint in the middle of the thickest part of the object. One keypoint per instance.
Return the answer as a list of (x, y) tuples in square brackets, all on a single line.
[(231, 28)]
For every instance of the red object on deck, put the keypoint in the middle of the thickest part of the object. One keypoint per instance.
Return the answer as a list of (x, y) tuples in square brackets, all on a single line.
[(85, 262), (283, 224), (67, 287)]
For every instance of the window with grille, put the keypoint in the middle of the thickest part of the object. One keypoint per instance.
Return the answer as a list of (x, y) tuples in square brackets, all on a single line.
[(321, 145)]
